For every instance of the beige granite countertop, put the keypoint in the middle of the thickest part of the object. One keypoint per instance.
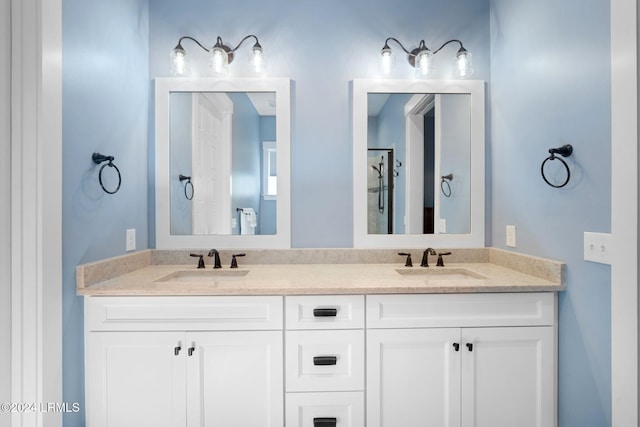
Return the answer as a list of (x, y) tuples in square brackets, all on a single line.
[(137, 274)]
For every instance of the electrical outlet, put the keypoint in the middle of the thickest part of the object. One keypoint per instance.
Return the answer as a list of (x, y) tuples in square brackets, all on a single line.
[(597, 247), (131, 239), (511, 236), (443, 225)]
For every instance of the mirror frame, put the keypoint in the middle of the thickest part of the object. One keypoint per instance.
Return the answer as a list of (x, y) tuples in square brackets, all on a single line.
[(164, 238), (361, 88)]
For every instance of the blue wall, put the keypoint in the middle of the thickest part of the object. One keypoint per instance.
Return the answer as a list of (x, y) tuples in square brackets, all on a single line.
[(321, 46), (547, 64), (105, 108), (550, 85)]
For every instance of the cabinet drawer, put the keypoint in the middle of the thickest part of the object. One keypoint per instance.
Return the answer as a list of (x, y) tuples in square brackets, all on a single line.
[(324, 360), (343, 409), (325, 312), (459, 310), (183, 313)]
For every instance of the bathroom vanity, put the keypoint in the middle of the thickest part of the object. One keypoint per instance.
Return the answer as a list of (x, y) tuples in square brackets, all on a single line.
[(332, 344)]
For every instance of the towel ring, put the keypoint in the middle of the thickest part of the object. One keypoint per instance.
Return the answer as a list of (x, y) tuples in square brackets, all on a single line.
[(187, 185), (565, 151), (445, 180), (100, 158)]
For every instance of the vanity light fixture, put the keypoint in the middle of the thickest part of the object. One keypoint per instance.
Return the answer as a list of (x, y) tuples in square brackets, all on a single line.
[(220, 56), (421, 58)]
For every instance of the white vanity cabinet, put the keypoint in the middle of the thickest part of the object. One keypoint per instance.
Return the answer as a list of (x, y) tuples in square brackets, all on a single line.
[(446, 360), (325, 361), (184, 361), (470, 360)]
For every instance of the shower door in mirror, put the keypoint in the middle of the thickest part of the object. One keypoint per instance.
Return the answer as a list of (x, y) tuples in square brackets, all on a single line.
[(380, 191)]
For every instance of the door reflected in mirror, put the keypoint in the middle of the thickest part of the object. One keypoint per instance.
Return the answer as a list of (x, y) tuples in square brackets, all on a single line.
[(225, 144), (418, 163)]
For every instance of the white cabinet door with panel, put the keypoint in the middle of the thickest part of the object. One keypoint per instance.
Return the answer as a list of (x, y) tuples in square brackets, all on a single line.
[(508, 377), (413, 378), (135, 379), (235, 379)]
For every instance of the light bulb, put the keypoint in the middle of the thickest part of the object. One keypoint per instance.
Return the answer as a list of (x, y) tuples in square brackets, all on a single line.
[(219, 61), (386, 60), (464, 66), (178, 62), (424, 63), (257, 59)]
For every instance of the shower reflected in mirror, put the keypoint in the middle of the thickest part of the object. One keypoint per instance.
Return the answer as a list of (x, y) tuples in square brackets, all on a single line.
[(380, 179)]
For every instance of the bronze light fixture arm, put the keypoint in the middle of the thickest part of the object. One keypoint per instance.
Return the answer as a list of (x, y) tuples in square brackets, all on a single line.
[(179, 45)]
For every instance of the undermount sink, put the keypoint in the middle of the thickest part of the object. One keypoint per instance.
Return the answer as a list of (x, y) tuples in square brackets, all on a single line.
[(209, 275), (436, 273)]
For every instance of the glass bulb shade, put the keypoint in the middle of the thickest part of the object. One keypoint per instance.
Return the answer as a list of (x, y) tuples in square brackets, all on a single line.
[(464, 67), (386, 61), (257, 60), (178, 62), (219, 62), (424, 63)]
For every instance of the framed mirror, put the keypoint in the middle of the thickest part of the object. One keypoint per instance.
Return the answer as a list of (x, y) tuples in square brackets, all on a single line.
[(418, 163), (222, 152)]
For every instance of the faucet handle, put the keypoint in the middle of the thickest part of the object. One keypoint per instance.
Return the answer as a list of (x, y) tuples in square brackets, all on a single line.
[(200, 261), (216, 258), (440, 262), (234, 262), (408, 255)]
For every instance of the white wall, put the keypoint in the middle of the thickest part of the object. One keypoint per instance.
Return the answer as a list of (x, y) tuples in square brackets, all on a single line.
[(5, 206)]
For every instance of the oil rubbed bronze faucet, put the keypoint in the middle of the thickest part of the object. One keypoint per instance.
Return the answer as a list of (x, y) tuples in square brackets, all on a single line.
[(234, 261), (425, 256), (440, 262), (216, 260), (200, 260), (408, 263)]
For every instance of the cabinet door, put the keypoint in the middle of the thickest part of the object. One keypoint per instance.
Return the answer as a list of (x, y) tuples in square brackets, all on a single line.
[(413, 377), (135, 379), (235, 379), (508, 377)]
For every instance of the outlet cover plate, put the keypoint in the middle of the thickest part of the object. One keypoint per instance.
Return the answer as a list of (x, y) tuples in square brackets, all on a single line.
[(597, 247), (131, 239), (511, 236)]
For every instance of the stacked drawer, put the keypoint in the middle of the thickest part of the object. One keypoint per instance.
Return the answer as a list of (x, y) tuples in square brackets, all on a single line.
[(324, 361)]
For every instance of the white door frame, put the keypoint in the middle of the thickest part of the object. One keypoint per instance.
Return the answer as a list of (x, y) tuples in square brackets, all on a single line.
[(414, 111), (624, 213), (5, 207), (36, 208)]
